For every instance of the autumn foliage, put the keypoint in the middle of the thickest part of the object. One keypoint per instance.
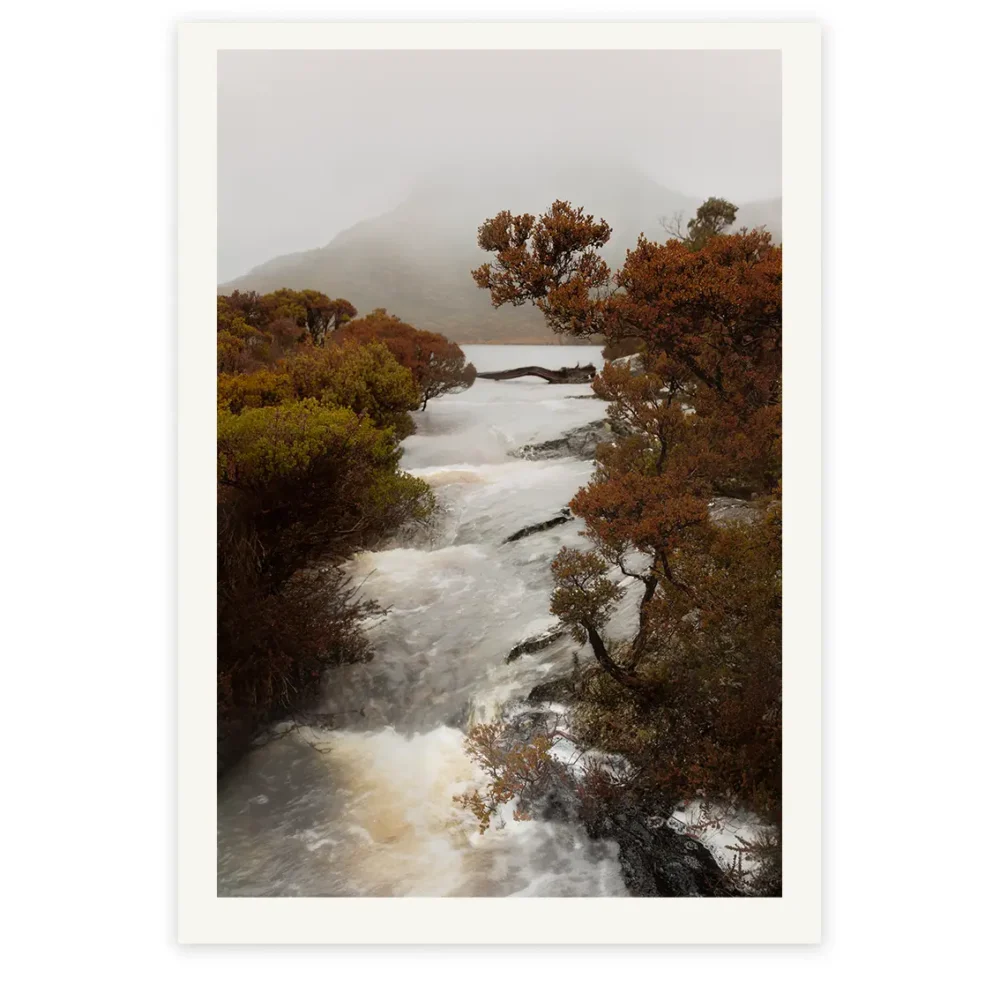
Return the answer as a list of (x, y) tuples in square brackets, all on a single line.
[(693, 699), (515, 768), (309, 429), (257, 330), (438, 365)]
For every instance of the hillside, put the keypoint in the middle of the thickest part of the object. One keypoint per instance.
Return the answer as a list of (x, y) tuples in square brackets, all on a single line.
[(415, 260)]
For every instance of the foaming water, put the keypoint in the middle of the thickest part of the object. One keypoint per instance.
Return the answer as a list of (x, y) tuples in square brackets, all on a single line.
[(374, 814), (368, 808)]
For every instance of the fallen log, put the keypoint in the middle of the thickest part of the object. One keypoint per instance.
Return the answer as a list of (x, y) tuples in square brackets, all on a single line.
[(581, 373)]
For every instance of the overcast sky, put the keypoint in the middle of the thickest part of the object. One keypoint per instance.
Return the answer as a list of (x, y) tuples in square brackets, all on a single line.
[(313, 142)]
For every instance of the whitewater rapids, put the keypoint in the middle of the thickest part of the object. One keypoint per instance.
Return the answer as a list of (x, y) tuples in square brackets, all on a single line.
[(367, 807)]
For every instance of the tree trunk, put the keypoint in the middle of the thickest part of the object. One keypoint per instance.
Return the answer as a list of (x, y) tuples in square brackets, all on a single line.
[(639, 642), (607, 662)]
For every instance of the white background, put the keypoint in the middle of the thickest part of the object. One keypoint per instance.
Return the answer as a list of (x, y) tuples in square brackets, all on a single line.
[(911, 359)]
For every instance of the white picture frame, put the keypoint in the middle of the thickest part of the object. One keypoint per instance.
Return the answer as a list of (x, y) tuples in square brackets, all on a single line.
[(203, 917)]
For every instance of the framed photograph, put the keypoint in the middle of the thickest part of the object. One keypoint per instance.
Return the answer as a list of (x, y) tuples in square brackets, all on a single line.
[(499, 498)]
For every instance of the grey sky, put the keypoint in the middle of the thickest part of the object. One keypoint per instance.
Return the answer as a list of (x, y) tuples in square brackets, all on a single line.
[(312, 142)]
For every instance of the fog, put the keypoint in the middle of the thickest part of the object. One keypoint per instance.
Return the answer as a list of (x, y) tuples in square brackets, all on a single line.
[(311, 143)]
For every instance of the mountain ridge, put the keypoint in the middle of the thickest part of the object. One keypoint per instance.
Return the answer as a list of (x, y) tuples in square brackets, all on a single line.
[(415, 259)]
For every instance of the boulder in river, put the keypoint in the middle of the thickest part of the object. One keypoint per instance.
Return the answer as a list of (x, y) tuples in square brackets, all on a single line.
[(536, 642), (581, 442), (562, 517), (559, 689), (657, 860)]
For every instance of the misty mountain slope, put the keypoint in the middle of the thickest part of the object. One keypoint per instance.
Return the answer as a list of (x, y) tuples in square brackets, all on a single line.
[(761, 214), (416, 259)]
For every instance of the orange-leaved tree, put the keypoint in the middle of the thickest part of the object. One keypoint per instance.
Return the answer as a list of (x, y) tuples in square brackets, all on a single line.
[(438, 365), (684, 506)]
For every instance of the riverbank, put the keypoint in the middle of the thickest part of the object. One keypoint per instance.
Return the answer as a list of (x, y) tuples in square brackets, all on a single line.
[(365, 803), (360, 797)]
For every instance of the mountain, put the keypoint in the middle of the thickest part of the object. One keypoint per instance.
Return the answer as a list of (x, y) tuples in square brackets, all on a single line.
[(761, 215), (415, 259)]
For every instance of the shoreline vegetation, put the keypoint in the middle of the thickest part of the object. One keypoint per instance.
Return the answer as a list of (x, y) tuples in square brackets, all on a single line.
[(691, 704), (313, 405)]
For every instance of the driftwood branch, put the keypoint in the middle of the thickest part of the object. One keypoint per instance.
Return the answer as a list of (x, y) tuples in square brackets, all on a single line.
[(581, 373)]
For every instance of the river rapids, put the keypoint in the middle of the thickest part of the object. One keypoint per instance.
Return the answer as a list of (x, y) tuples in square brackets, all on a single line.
[(365, 805)]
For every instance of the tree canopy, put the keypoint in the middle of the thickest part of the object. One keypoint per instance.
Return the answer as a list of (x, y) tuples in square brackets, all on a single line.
[(260, 329), (308, 470), (438, 365), (712, 219), (693, 698)]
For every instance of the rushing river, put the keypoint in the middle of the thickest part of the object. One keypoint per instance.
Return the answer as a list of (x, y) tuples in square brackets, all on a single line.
[(367, 807)]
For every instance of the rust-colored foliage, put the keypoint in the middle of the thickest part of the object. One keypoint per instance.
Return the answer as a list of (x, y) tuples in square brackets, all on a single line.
[(323, 314), (257, 330), (551, 261), (514, 768), (308, 453), (715, 311), (438, 364), (712, 219), (613, 350), (693, 700)]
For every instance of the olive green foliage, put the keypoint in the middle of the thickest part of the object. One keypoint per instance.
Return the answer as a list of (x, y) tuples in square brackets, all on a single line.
[(585, 595), (438, 365), (327, 464), (263, 387), (308, 471), (264, 447), (713, 218), (364, 377)]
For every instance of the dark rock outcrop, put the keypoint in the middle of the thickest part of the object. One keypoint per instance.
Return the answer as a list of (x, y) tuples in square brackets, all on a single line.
[(730, 510), (561, 518), (558, 689), (536, 642), (581, 442), (656, 860)]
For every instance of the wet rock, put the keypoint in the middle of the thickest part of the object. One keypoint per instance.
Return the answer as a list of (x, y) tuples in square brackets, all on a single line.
[(526, 725), (657, 860), (561, 518), (536, 642), (560, 689), (633, 362), (656, 857), (730, 510), (558, 806), (580, 442)]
